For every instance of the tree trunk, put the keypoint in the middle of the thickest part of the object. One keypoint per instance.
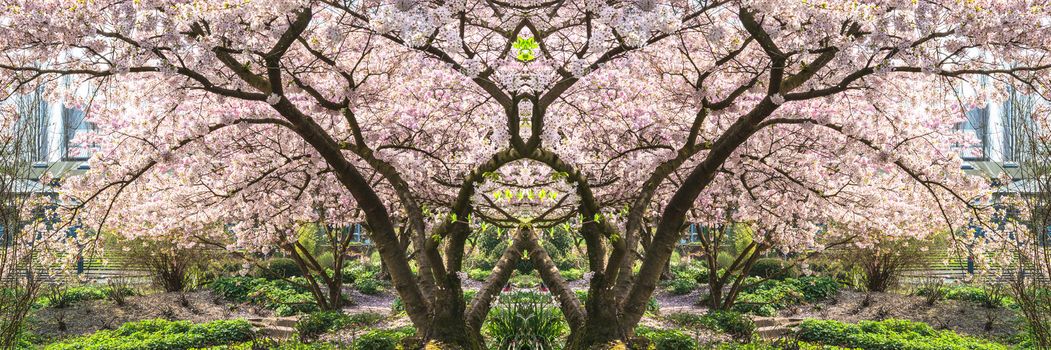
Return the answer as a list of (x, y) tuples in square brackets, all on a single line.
[(603, 323)]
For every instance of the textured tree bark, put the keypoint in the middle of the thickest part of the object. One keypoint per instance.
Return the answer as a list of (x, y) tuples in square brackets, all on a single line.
[(483, 300), (567, 299)]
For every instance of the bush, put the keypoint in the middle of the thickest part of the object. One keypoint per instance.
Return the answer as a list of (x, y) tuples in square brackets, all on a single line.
[(724, 260), (733, 323), (730, 322), (766, 298), (525, 320), (681, 286), (572, 274), (60, 296), (691, 272), (989, 297), (281, 296), (317, 323), (382, 339), (889, 334), (478, 274), (525, 281), (370, 286), (773, 268), (326, 260), (667, 339), (161, 335), (277, 268), (272, 344)]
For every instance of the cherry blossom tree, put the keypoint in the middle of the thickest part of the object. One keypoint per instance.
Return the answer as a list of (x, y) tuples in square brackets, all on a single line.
[(800, 119)]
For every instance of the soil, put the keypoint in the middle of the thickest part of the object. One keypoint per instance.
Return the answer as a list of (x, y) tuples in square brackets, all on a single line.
[(90, 316)]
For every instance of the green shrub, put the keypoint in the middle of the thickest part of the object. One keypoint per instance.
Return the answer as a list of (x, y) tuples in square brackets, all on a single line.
[(62, 296), (370, 286), (478, 274), (317, 323), (525, 320), (525, 281), (733, 323), (773, 268), (889, 334), (694, 272), (777, 345), (667, 339), (730, 322), (766, 298), (382, 339), (276, 268), (724, 260), (161, 335), (283, 297), (272, 344), (326, 260), (572, 274), (987, 297), (681, 286)]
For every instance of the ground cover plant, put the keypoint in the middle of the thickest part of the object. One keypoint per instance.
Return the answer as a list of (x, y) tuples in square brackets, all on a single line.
[(888, 334), (283, 297), (767, 297), (161, 335)]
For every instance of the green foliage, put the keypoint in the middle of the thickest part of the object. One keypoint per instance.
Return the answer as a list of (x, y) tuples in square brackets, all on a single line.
[(326, 260), (525, 281), (778, 345), (572, 274), (161, 335), (990, 297), (277, 268), (382, 339), (773, 268), (694, 271), (370, 286), (317, 323), (730, 322), (766, 298), (354, 271), (525, 320), (526, 48), (680, 286), (479, 274), (889, 334), (733, 323), (724, 259), (272, 344), (60, 296), (281, 296), (667, 339)]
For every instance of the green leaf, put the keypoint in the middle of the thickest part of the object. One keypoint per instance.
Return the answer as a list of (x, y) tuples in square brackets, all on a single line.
[(526, 48)]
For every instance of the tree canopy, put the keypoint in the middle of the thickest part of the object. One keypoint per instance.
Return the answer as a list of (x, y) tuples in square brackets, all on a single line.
[(804, 120)]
